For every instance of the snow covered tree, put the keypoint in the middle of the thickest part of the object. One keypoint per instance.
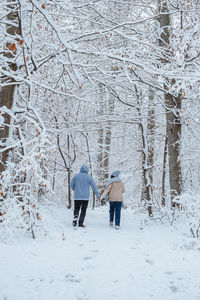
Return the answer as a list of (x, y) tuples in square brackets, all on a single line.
[(12, 31)]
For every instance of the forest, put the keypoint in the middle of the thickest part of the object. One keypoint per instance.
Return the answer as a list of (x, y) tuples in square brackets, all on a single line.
[(113, 84)]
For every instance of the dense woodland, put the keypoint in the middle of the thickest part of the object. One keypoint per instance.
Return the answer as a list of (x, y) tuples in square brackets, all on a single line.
[(114, 84)]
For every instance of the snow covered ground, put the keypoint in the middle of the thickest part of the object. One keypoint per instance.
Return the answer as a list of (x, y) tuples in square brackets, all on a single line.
[(99, 262)]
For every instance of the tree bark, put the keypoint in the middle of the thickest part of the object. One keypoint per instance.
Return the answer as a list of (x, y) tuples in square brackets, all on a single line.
[(69, 174), (7, 91), (163, 200), (90, 164), (146, 182), (145, 170), (173, 107), (108, 136), (100, 155), (151, 136)]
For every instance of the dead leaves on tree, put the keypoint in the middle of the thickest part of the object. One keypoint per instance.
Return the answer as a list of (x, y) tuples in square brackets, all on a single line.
[(13, 46)]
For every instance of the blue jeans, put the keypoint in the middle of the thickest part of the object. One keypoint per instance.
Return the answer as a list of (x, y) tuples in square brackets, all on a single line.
[(115, 211)]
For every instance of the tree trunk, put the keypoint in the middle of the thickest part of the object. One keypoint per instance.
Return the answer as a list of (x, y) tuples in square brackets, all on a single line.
[(90, 164), (163, 200), (7, 92), (108, 135), (146, 182), (54, 175), (145, 170), (100, 155), (151, 136), (173, 107), (69, 175)]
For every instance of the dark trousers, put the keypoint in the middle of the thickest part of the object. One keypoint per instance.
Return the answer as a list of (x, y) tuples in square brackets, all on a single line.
[(115, 211), (80, 204)]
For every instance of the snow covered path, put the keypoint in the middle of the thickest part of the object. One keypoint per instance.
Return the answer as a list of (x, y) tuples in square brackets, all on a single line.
[(100, 263)]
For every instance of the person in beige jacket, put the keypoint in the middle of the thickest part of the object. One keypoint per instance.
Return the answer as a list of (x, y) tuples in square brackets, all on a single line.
[(114, 190)]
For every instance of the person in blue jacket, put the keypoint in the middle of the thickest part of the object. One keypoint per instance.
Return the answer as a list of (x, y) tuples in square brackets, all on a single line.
[(80, 184)]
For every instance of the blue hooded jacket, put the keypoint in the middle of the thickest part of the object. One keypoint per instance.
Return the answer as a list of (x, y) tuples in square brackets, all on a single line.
[(81, 183)]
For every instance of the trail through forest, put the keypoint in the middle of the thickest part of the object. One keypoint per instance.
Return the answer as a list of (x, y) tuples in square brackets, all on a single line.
[(99, 262)]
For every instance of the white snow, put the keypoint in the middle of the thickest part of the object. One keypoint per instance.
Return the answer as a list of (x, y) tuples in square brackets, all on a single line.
[(99, 262)]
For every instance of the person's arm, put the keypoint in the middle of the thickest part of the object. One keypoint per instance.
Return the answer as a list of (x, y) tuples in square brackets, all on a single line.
[(94, 187), (72, 184), (107, 190), (123, 188)]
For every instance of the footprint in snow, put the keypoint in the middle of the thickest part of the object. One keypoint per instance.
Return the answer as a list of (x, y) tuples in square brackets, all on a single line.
[(87, 257), (169, 273), (173, 288), (148, 261), (72, 278), (133, 248), (75, 280), (69, 276)]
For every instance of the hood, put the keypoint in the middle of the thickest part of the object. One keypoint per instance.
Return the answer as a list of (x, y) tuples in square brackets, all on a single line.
[(84, 169), (116, 173)]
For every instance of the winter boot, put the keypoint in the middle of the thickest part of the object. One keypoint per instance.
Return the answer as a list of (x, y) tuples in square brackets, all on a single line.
[(74, 223)]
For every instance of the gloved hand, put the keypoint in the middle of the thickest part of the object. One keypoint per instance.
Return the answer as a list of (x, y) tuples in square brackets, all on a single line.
[(124, 206)]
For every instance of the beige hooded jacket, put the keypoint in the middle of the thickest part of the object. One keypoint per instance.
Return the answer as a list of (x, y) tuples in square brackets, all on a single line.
[(114, 191)]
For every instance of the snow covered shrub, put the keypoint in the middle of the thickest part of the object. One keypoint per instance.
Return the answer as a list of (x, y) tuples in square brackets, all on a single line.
[(24, 183), (189, 207), (19, 199)]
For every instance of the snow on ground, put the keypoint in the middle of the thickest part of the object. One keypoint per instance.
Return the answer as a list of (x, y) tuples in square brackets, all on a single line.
[(99, 262)]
